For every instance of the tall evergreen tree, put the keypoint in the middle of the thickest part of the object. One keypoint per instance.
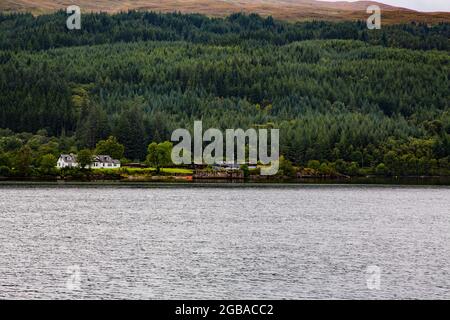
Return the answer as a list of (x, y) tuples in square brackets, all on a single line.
[(93, 126), (130, 132)]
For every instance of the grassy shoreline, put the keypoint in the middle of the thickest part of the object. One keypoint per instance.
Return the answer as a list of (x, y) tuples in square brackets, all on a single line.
[(183, 180), (187, 175)]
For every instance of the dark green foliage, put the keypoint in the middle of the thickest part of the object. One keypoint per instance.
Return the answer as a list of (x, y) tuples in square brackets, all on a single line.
[(4, 171), (23, 161), (92, 126), (159, 154), (110, 147), (5, 159), (24, 31), (48, 163), (131, 133), (286, 168), (84, 158), (34, 96), (354, 100)]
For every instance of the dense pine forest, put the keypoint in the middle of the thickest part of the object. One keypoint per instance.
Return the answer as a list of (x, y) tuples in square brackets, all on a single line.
[(346, 99)]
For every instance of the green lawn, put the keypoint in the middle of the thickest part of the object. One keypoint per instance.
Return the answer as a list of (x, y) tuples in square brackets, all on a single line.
[(176, 170)]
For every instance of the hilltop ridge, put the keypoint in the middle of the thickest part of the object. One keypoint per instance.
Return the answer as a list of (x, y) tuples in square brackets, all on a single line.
[(293, 10)]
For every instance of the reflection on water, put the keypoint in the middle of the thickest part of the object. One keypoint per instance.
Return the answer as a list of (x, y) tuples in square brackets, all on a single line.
[(234, 243)]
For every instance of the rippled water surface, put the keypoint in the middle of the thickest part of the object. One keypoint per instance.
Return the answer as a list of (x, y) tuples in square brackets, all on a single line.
[(287, 242)]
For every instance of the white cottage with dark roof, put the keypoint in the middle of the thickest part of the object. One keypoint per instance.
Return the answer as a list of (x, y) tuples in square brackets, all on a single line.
[(104, 161), (67, 161), (98, 162)]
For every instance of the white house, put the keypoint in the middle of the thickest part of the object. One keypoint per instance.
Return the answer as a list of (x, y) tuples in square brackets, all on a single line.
[(98, 161), (67, 161), (226, 165), (104, 161), (230, 166)]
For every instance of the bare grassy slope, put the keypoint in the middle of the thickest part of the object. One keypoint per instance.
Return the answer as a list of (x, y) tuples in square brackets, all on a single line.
[(283, 9)]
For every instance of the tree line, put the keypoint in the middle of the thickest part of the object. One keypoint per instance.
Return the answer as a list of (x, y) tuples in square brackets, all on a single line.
[(23, 31), (344, 103)]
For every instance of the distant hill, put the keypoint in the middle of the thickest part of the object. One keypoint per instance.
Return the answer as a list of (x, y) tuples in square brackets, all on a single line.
[(295, 10)]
